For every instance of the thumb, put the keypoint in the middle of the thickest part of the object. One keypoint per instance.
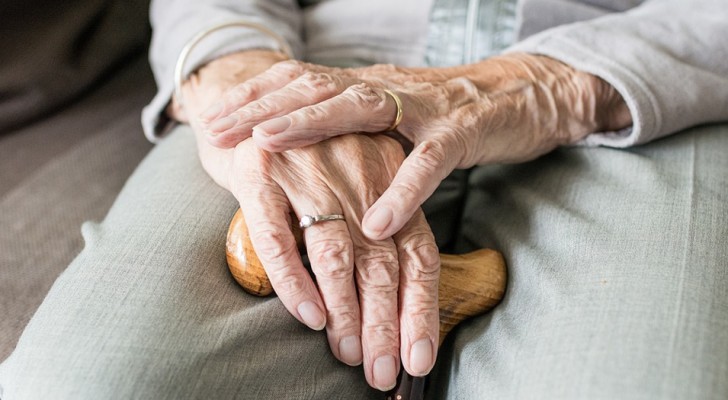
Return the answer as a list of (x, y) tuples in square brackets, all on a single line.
[(418, 177)]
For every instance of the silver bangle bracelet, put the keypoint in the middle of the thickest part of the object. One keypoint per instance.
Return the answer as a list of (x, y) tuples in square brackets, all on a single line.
[(184, 55)]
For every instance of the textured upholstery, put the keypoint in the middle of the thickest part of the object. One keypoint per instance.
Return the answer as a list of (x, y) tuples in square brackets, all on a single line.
[(55, 174)]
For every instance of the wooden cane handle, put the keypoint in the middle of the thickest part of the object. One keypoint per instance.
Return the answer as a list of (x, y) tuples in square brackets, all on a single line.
[(470, 284)]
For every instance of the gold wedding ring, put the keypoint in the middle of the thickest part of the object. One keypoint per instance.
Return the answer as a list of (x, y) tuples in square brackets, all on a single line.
[(400, 113)]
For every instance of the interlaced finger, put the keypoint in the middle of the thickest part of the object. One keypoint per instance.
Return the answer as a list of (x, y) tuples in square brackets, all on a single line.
[(419, 262), (331, 254)]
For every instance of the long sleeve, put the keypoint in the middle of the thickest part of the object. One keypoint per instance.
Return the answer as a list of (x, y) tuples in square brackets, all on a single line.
[(667, 58), (175, 22)]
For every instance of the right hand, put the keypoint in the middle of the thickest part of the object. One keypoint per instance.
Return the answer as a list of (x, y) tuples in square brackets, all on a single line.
[(377, 299), (505, 109)]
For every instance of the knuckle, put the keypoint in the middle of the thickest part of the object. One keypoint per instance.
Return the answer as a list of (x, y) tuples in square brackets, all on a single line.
[(428, 162), (364, 95), (332, 258), (313, 114), (290, 68), (262, 106), (271, 245), (431, 155), (372, 284), (243, 93), (379, 257), (422, 316), (319, 82), (345, 316), (423, 257), (288, 283), (378, 273), (384, 331), (466, 86)]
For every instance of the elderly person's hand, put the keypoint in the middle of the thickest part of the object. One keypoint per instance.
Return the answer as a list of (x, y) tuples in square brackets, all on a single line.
[(375, 297), (510, 108)]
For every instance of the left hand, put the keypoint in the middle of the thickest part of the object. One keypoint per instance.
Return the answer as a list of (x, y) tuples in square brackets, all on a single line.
[(511, 108), (377, 299)]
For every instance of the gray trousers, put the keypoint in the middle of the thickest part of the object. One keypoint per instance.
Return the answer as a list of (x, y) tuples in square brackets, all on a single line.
[(618, 289)]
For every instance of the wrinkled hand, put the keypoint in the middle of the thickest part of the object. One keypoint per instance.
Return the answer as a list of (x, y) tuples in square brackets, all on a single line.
[(344, 175), (375, 297), (511, 108)]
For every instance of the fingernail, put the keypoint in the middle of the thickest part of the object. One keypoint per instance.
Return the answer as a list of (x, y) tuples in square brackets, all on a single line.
[(222, 124), (385, 373), (378, 221), (350, 350), (211, 112), (421, 357), (311, 315), (273, 126)]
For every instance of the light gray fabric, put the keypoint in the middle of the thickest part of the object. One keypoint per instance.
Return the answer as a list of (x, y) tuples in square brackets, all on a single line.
[(149, 310), (666, 57), (375, 31), (648, 52), (467, 31), (539, 15), (55, 174), (341, 32), (618, 289), (618, 268)]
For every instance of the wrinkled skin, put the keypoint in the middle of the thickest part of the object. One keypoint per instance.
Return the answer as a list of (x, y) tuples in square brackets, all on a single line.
[(506, 109), (511, 108), (376, 298)]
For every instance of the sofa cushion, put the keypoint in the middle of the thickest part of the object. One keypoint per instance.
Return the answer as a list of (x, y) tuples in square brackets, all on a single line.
[(55, 174), (54, 51)]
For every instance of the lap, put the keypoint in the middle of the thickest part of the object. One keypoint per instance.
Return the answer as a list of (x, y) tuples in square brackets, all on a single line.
[(149, 310), (617, 262), (617, 288)]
